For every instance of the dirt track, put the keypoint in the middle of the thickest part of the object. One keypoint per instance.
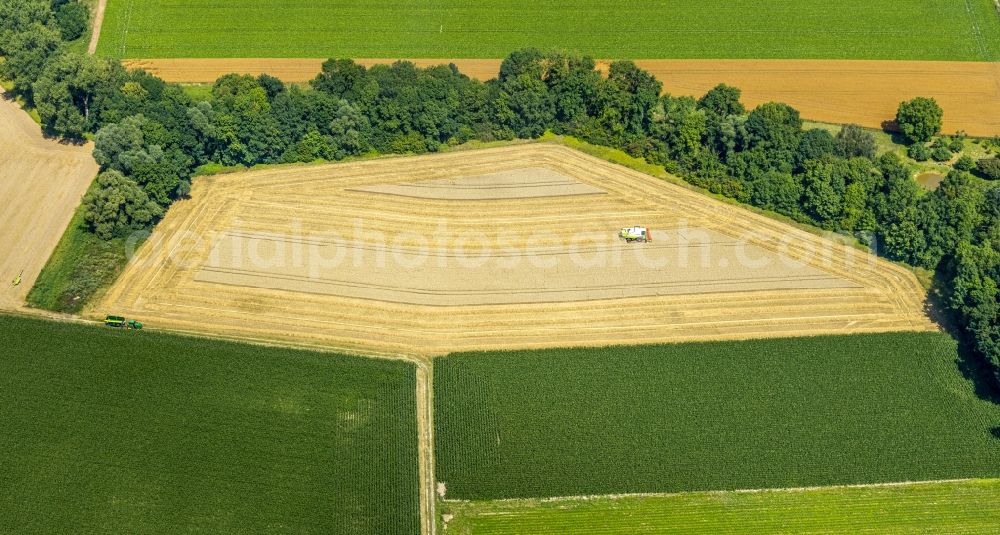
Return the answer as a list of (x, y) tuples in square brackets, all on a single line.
[(837, 91), (95, 32), (284, 281), (41, 182)]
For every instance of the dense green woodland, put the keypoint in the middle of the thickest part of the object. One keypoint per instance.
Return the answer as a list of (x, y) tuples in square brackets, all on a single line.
[(113, 431), (151, 138)]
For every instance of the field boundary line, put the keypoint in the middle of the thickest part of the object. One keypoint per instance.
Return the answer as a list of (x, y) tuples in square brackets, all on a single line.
[(587, 497), (95, 34)]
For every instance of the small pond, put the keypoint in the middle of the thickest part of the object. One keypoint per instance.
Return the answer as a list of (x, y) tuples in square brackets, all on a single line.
[(930, 179)]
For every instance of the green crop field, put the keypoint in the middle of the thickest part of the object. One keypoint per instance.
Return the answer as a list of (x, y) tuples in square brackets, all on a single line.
[(649, 29), (964, 507), (136, 432), (711, 416)]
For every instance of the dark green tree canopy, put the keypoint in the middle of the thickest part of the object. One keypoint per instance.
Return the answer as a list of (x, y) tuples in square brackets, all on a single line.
[(774, 126), (65, 91), (919, 119), (118, 206), (815, 144), (722, 100), (72, 18), (854, 141), (989, 168)]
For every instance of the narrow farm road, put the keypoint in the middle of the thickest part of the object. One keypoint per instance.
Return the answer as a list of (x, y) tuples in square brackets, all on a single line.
[(98, 22), (425, 445)]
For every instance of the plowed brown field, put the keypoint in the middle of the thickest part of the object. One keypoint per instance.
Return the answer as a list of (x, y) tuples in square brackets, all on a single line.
[(41, 182), (341, 256), (837, 91)]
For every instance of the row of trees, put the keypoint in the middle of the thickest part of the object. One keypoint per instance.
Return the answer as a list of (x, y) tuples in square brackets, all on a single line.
[(150, 137)]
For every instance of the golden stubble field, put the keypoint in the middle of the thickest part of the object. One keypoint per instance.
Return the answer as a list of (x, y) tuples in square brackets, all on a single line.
[(41, 183), (512, 247), (865, 92)]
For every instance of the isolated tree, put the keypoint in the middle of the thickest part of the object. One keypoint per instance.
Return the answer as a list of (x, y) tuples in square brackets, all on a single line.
[(118, 205), (941, 154), (853, 141), (919, 152), (919, 119), (72, 18), (956, 145), (965, 163), (722, 100)]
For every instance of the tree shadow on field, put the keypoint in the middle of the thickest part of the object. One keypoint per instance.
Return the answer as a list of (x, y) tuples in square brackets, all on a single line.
[(12, 97), (974, 367), (995, 432), (979, 372)]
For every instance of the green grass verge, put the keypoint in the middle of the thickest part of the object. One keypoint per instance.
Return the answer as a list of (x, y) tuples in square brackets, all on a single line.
[(80, 268), (710, 416), (139, 432), (965, 507), (858, 29)]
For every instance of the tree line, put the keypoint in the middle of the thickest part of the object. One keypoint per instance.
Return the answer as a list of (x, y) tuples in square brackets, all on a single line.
[(151, 137)]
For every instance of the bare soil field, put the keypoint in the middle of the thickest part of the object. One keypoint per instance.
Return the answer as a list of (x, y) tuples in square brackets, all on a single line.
[(332, 255), (836, 91), (41, 183)]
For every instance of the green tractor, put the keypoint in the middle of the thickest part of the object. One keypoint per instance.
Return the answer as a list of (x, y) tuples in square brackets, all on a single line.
[(120, 322)]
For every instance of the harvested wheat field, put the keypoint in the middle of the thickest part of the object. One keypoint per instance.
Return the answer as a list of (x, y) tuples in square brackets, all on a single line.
[(41, 183), (513, 247), (836, 91)]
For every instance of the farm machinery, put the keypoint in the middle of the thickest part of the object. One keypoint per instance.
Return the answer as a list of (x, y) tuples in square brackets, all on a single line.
[(632, 234), (119, 322)]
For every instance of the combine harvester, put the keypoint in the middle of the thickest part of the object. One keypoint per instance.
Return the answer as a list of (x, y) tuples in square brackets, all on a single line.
[(120, 322), (631, 234)]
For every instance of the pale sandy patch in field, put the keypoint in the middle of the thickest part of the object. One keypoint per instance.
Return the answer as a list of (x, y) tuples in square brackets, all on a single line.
[(838, 91), (41, 183), (513, 184), (283, 280)]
